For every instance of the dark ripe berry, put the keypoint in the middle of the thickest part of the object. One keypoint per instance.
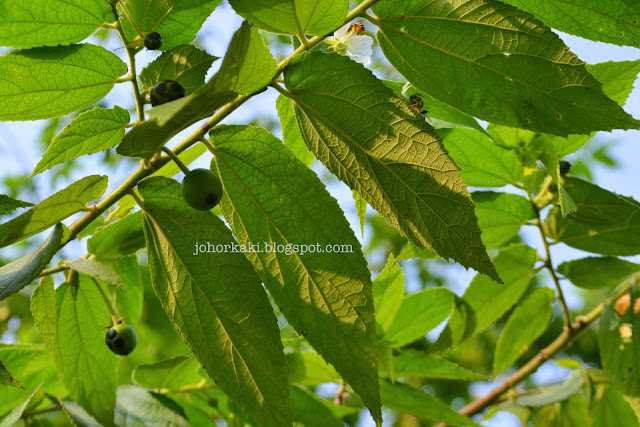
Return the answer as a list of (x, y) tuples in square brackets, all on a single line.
[(201, 189), (565, 167), (166, 91), (153, 41), (121, 339)]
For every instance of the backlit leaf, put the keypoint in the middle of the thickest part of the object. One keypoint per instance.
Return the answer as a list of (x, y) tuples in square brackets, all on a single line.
[(309, 368), (290, 131), (138, 406), (6, 379), (612, 408), (618, 78), (97, 270), (43, 309), (500, 216), (412, 363), (376, 144), (216, 302), (168, 374), (7, 204), (41, 83), (597, 272), (14, 416), (122, 237), (310, 411), (515, 71), (388, 291)]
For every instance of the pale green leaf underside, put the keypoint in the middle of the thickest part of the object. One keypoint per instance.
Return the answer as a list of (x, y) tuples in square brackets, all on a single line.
[(501, 215), (91, 132), (32, 23), (414, 401), (122, 237), (251, 59), (169, 374), (597, 272), (316, 17), (138, 406), (43, 309), (14, 416), (610, 21), (185, 64), (216, 302), (529, 320), (19, 273), (177, 21), (309, 368), (7, 204), (97, 270), (515, 71), (85, 364), (61, 205), (375, 143), (270, 196), (290, 131), (41, 83), (554, 393), (482, 163), (130, 303)]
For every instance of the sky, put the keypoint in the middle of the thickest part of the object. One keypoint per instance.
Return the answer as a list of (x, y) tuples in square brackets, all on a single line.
[(19, 153)]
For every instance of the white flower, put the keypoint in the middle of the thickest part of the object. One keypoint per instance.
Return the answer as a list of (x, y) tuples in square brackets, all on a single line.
[(352, 44)]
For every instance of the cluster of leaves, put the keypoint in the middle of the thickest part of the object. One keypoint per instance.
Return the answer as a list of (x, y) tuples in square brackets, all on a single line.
[(264, 329)]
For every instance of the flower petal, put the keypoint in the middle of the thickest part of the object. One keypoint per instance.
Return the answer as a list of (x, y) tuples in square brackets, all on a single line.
[(360, 45), (341, 32)]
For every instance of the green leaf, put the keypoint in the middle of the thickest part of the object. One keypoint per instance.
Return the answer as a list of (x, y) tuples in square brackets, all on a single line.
[(419, 313), (19, 273), (412, 363), (618, 78), (309, 410), (41, 83), (315, 17), (140, 407), (91, 132), (43, 309), (619, 342), (33, 365), (7, 204), (85, 365), (500, 55), (435, 109), (598, 206), (484, 302), (34, 23), (169, 374), (167, 120), (482, 163), (97, 270), (91, 228), (177, 21), (500, 216), (388, 291), (122, 237), (216, 302), (613, 409), (621, 239), (613, 21), (15, 415), (554, 393), (6, 379), (130, 303), (273, 198), (597, 272), (77, 414), (290, 131), (413, 401), (250, 58), (381, 149), (309, 368), (412, 251), (185, 64), (361, 208), (54, 209), (525, 325)]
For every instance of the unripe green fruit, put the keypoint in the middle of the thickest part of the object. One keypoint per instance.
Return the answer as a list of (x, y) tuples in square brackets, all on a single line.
[(121, 339), (166, 91), (153, 41), (201, 189)]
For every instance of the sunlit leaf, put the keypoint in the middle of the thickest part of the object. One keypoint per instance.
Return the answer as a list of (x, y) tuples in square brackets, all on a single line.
[(412, 363), (500, 216), (290, 131), (43, 309), (6, 379), (597, 272), (14, 416), (168, 374), (309, 368), (97, 270), (7, 204), (618, 78), (122, 237), (139, 406), (388, 291), (310, 411)]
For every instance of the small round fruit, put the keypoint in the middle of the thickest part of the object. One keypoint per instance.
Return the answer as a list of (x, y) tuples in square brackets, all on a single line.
[(121, 339), (166, 91), (201, 189), (153, 41)]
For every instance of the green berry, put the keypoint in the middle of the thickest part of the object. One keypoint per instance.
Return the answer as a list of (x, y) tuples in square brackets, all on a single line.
[(121, 339), (153, 41), (166, 91), (201, 189)]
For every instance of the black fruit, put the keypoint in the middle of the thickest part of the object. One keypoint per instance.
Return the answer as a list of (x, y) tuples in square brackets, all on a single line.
[(121, 339), (166, 91), (565, 167), (153, 41), (201, 189)]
